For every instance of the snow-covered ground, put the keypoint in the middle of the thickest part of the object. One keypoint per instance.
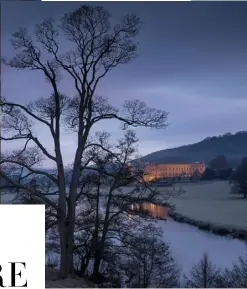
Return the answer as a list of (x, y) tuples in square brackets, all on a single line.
[(188, 243), (212, 202)]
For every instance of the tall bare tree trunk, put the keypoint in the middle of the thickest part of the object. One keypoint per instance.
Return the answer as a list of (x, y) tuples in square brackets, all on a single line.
[(84, 263), (70, 236), (72, 206), (96, 267), (100, 246), (63, 272)]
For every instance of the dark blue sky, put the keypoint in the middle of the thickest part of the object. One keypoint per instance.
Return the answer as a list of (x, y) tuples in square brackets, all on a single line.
[(192, 62)]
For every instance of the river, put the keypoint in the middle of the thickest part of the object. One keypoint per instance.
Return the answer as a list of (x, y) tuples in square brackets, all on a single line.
[(188, 243)]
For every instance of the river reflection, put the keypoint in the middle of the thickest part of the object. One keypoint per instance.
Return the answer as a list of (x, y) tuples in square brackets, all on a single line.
[(151, 209)]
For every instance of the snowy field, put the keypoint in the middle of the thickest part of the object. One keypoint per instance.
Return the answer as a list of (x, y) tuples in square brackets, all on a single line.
[(206, 201), (211, 202)]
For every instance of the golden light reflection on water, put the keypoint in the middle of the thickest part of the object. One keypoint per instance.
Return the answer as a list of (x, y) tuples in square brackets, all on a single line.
[(153, 210)]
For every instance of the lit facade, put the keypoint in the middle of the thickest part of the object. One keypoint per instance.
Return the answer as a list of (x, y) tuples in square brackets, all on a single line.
[(155, 172)]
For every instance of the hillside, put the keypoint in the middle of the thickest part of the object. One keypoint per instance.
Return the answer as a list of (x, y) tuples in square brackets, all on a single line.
[(233, 146), (51, 281)]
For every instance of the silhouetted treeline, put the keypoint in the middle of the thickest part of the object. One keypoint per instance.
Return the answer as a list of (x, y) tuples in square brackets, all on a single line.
[(239, 178), (222, 174), (232, 146)]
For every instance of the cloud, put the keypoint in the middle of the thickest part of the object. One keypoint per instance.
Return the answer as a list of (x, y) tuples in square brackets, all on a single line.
[(192, 62)]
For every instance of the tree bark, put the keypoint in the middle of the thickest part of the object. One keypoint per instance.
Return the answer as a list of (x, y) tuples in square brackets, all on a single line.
[(100, 247), (72, 206), (84, 264), (70, 236), (96, 267), (63, 272)]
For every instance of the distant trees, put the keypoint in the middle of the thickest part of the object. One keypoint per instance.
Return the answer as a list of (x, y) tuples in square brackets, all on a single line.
[(218, 163), (225, 174), (236, 276), (148, 261), (227, 134), (239, 178), (143, 266), (232, 146), (209, 174), (218, 169), (206, 275), (196, 175), (203, 275)]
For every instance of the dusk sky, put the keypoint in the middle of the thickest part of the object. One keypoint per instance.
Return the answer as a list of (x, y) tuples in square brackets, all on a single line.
[(192, 62)]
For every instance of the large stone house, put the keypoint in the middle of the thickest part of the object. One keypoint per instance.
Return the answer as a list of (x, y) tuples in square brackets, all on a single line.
[(184, 170)]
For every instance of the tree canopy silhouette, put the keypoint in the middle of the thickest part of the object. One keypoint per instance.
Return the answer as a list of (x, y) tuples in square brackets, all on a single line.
[(95, 48)]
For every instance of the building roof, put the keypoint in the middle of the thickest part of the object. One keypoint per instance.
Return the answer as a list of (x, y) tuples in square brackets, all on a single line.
[(176, 164)]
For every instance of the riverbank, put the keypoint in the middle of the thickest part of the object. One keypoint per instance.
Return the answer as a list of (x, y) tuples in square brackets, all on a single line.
[(52, 281), (210, 227), (209, 207)]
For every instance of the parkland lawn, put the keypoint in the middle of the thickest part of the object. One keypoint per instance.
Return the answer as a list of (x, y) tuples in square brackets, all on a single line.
[(211, 202)]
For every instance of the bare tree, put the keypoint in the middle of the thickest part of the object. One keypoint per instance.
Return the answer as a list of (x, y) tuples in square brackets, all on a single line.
[(203, 275), (148, 261), (96, 48), (238, 179), (108, 189), (113, 187), (236, 276), (218, 163)]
